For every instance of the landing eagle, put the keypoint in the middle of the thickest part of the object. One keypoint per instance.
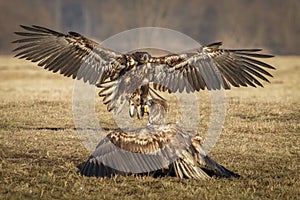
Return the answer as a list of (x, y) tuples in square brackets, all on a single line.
[(207, 67)]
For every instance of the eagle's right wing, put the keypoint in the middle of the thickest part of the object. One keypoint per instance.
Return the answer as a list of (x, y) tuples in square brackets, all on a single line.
[(69, 54)]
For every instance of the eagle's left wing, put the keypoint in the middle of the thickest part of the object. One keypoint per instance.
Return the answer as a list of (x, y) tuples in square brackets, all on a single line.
[(210, 68)]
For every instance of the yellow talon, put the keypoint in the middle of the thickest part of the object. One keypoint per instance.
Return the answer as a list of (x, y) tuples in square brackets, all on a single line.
[(146, 109)]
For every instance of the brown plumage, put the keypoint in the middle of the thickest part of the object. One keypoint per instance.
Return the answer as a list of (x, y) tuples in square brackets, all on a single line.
[(157, 148), (120, 75)]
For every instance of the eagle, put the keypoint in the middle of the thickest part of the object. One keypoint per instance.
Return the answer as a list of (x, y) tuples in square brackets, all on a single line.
[(136, 77), (158, 148)]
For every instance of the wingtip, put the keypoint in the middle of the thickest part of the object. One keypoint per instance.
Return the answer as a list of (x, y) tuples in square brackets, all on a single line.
[(214, 44), (27, 27), (23, 26)]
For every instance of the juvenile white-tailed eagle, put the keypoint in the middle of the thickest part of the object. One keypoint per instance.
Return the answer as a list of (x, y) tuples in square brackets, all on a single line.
[(163, 149), (76, 56)]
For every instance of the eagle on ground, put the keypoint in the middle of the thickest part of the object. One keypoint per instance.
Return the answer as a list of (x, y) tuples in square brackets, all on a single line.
[(158, 148), (207, 67)]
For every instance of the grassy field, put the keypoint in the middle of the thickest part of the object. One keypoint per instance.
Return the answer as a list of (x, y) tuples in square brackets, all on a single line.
[(40, 148)]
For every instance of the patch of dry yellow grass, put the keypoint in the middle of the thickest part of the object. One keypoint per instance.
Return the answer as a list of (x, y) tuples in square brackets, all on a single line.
[(40, 149)]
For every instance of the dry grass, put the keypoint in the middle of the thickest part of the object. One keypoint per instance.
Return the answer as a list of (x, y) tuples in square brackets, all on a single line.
[(40, 149)]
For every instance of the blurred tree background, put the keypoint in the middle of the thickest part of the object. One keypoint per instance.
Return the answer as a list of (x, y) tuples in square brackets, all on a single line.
[(270, 24)]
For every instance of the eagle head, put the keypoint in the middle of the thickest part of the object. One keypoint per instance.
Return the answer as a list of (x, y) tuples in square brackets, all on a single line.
[(141, 57)]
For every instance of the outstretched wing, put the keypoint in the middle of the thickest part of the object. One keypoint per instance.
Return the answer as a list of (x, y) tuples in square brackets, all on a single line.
[(210, 67), (69, 54), (144, 150)]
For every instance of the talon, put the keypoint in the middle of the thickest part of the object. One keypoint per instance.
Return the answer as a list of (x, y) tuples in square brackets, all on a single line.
[(131, 109), (146, 109)]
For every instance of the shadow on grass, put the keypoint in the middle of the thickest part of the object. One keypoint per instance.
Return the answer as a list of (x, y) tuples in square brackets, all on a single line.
[(8, 126)]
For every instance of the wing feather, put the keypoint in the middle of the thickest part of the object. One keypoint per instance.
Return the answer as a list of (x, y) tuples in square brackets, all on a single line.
[(228, 72), (67, 53), (212, 68), (138, 151)]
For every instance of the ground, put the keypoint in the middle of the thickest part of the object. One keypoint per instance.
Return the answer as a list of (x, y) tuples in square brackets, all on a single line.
[(40, 147)]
